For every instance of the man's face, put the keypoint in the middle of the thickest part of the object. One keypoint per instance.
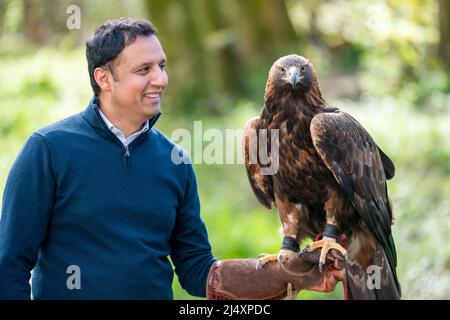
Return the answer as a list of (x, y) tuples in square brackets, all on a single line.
[(140, 78)]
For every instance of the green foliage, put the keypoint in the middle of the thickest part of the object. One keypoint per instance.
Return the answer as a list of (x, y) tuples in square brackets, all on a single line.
[(397, 86)]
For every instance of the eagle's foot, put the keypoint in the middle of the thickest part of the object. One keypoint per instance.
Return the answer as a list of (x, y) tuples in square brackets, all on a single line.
[(326, 245), (265, 258)]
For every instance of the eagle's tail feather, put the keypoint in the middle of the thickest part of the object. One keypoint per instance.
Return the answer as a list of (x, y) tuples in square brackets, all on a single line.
[(377, 282)]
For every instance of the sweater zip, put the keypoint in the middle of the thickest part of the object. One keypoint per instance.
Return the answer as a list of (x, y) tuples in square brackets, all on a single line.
[(127, 156), (126, 149)]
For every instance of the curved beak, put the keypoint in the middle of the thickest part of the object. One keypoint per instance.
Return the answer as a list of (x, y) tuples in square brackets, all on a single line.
[(294, 77)]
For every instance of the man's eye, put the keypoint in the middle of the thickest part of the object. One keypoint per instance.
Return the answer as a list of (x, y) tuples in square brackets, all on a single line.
[(143, 70), (162, 66)]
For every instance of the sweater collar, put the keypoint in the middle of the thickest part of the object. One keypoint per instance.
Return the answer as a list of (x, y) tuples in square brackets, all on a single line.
[(92, 116)]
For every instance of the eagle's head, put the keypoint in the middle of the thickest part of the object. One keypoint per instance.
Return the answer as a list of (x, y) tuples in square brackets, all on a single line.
[(291, 73)]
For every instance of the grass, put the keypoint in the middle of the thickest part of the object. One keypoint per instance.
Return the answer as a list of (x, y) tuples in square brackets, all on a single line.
[(49, 86)]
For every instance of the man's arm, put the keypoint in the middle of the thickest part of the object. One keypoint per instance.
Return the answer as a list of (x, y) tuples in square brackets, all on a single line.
[(236, 279), (190, 248), (26, 211)]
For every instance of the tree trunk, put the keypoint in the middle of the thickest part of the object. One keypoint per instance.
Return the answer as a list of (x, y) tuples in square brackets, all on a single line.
[(268, 24), (3, 6), (444, 31), (31, 25), (231, 73), (179, 28)]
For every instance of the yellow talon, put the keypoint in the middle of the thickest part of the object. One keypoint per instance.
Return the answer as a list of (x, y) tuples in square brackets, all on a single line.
[(326, 246), (265, 258)]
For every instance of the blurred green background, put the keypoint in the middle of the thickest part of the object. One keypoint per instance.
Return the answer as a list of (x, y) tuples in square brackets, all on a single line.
[(386, 62)]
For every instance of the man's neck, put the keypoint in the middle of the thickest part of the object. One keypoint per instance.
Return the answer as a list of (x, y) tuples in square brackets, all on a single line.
[(121, 121)]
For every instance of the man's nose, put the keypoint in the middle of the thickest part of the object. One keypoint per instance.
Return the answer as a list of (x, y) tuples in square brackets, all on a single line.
[(159, 78)]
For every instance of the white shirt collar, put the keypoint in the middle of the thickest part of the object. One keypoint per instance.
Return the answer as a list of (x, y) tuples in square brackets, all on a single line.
[(119, 134)]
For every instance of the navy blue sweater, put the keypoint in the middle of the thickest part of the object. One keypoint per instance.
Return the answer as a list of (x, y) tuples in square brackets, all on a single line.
[(76, 198)]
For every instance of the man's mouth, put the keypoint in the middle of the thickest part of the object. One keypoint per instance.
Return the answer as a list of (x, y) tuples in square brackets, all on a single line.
[(152, 97)]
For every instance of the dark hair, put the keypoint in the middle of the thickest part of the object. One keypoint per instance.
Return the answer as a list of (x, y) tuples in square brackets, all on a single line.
[(109, 40)]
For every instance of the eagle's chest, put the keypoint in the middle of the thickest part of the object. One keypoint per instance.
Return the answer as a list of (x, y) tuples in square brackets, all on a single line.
[(302, 177)]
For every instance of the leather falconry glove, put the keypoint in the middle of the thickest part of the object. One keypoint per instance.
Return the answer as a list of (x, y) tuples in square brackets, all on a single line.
[(237, 279)]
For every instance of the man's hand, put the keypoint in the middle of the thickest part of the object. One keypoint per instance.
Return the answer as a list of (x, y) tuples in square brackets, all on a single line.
[(239, 278), (333, 272)]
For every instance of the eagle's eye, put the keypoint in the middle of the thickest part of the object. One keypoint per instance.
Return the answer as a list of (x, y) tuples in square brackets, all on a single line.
[(282, 70), (303, 68)]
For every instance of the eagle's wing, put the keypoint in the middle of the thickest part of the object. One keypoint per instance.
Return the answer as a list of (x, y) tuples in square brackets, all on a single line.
[(261, 184), (388, 165), (359, 167)]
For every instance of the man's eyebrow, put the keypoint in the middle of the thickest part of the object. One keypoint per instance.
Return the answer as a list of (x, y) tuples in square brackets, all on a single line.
[(144, 64)]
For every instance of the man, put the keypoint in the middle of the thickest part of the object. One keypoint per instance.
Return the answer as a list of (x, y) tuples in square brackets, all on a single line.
[(94, 205)]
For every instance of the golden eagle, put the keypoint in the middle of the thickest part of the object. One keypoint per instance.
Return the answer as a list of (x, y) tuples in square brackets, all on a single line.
[(327, 177)]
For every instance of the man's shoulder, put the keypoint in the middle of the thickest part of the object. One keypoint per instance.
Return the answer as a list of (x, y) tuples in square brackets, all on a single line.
[(177, 152), (162, 138), (69, 125)]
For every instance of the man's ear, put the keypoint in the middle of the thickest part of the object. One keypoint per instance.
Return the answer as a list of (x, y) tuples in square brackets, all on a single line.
[(103, 78)]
